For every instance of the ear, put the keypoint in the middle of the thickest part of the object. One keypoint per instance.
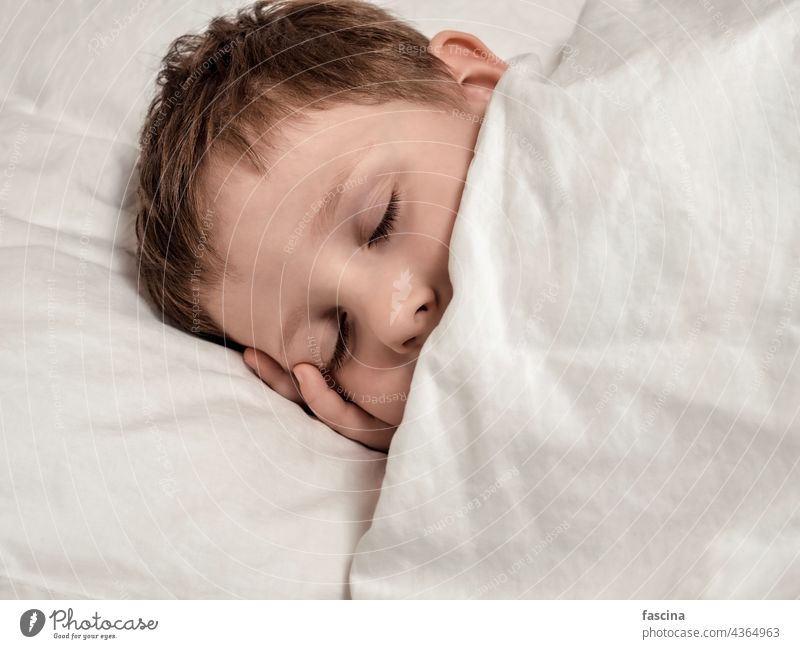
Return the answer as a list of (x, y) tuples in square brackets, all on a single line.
[(472, 64)]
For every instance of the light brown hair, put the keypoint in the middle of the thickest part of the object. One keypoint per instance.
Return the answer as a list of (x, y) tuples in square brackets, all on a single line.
[(225, 90)]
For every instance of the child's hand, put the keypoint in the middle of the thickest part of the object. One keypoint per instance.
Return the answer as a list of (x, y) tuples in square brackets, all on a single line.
[(344, 417)]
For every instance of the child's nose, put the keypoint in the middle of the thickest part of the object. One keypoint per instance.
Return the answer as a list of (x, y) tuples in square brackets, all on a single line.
[(412, 316)]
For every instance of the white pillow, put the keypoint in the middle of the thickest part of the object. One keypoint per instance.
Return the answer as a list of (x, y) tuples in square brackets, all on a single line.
[(141, 461)]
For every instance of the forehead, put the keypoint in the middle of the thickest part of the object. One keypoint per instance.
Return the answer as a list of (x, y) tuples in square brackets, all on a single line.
[(255, 213), (313, 154)]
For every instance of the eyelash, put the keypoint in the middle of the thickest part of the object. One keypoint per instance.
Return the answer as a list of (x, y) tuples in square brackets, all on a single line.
[(386, 226), (382, 232)]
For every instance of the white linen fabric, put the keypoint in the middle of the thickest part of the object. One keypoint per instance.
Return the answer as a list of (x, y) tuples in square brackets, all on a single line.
[(609, 407), (137, 461)]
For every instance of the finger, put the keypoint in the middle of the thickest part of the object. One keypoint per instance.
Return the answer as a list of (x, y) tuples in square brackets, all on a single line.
[(269, 371), (345, 417)]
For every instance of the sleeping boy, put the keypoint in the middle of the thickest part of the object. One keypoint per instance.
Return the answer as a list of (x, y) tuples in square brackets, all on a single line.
[(301, 169)]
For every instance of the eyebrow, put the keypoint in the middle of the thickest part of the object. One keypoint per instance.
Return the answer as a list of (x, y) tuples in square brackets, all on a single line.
[(324, 214)]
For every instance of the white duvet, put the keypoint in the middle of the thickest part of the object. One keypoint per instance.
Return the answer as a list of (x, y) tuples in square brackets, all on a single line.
[(609, 408)]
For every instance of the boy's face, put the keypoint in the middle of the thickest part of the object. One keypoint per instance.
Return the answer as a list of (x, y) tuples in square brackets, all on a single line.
[(339, 255), (306, 258)]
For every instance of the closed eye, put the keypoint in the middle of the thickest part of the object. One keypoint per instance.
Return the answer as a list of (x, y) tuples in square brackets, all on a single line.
[(386, 226)]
